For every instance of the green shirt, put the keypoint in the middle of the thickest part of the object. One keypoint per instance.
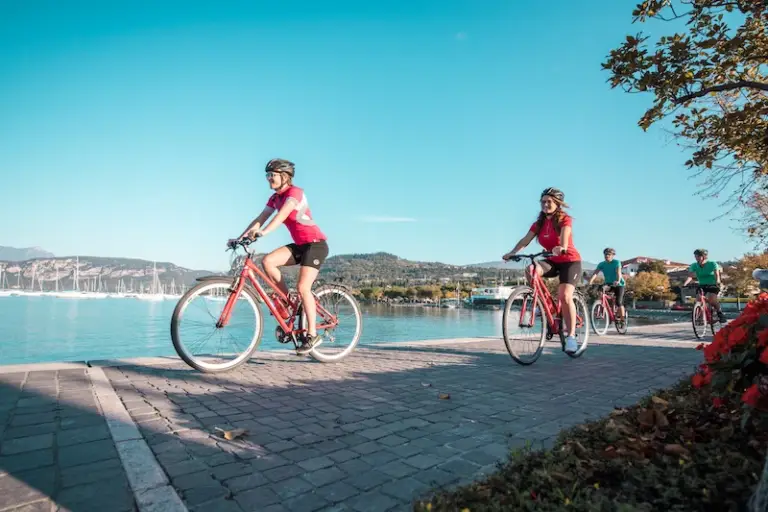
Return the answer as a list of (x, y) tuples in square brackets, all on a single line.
[(705, 274), (611, 271)]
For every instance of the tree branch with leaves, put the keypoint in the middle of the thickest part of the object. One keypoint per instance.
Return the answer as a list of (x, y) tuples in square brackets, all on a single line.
[(710, 80)]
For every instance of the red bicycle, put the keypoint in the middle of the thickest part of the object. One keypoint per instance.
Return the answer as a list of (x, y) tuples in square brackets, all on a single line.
[(224, 300), (703, 315), (525, 312), (605, 310)]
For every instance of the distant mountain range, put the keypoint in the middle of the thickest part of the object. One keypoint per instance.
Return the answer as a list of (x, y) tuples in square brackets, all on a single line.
[(14, 254), (358, 270), (95, 274), (585, 265), (384, 268)]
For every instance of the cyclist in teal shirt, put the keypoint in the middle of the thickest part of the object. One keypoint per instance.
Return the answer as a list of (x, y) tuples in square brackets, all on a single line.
[(708, 274), (611, 269)]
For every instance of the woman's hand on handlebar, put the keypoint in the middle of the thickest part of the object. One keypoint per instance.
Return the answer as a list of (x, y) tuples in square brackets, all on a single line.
[(510, 255)]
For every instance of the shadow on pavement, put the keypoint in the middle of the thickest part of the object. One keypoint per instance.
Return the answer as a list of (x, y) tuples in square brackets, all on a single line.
[(370, 433)]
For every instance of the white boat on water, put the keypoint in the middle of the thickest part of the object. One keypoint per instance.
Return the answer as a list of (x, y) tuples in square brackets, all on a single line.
[(4, 290), (489, 295), (156, 293)]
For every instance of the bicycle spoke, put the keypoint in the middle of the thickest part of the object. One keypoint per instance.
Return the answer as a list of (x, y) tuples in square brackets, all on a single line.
[(204, 345)]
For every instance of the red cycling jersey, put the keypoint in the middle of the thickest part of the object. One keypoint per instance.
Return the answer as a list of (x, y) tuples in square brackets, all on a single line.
[(299, 223), (548, 238)]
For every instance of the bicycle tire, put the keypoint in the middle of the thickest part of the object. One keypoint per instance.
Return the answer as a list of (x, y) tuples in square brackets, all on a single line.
[(177, 315), (523, 291), (698, 308), (621, 325), (598, 307), (318, 354), (580, 304)]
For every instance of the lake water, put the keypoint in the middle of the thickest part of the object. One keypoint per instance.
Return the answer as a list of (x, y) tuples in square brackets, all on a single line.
[(44, 329)]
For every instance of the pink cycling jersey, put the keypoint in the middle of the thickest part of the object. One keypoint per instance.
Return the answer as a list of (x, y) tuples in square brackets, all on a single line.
[(299, 223), (548, 238)]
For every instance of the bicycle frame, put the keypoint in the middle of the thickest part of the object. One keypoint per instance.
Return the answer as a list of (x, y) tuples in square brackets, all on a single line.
[(706, 305), (549, 306), (247, 275), (608, 303)]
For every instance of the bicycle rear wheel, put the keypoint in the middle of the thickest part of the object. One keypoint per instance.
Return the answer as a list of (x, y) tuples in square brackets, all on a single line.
[(582, 327), (338, 341), (522, 325), (621, 323), (699, 320), (193, 325), (600, 318)]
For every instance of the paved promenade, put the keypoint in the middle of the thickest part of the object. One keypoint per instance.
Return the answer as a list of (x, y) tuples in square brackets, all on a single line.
[(370, 433)]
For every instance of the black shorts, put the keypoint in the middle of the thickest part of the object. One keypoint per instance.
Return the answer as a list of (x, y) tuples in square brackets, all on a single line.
[(312, 254), (618, 291), (568, 272), (709, 288)]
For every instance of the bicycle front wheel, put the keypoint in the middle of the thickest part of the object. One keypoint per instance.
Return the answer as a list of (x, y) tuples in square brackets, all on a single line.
[(699, 320), (522, 325), (600, 318), (582, 327), (338, 341), (206, 347)]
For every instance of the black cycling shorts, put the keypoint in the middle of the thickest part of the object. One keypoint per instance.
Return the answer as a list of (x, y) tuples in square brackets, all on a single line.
[(709, 288), (312, 254), (618, 291), (568, 272)]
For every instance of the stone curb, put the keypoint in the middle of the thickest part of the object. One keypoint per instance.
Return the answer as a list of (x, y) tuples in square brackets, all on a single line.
[(150, 486)]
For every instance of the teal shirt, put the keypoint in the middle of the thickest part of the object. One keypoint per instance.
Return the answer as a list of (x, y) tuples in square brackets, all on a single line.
[(611, 271), (705, 274)]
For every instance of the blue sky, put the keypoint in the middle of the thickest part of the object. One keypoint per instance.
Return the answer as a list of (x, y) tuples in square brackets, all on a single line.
[(422, 128)]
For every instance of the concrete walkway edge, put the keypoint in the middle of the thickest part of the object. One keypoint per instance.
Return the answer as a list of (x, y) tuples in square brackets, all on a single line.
[(150, 486)]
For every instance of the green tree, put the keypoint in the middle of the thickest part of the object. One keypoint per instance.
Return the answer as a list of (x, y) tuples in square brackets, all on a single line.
[(652, 266), (371, 293), (649, 286), (710, 79), (739, 275), (395, 292)]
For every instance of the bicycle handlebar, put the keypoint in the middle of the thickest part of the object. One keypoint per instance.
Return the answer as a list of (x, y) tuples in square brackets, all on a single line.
[(518, 257), (242, 242)]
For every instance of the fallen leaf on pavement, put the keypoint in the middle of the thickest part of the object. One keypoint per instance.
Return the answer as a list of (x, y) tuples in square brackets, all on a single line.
[(229, 435)]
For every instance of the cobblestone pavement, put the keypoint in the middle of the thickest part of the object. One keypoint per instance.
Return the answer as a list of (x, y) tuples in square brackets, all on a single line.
[(56, 452), (373, 432), (385, 425)]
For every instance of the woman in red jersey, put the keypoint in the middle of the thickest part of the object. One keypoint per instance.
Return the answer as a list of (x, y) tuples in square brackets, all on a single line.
[(554, 231), (309, 248)]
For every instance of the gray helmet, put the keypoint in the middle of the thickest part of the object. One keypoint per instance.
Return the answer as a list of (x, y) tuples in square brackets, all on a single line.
[(700, 252), (608, 250), (280, 165), (555, 193)]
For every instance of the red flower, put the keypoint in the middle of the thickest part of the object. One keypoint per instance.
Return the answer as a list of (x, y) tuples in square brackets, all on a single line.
[(712, 351), (762, 338), (700, 346), (751, 396), (697, 380), (738, 336), (718, 402)]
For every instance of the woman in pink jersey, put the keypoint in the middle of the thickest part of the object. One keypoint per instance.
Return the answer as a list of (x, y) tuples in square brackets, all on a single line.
[(554, 230), (309, 248)]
